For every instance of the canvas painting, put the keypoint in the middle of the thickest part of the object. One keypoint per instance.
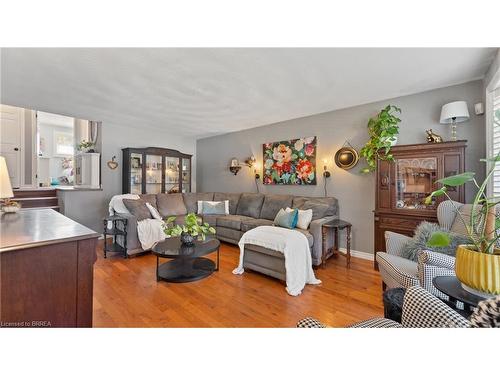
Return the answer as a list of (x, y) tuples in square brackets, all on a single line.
[(290, 162)]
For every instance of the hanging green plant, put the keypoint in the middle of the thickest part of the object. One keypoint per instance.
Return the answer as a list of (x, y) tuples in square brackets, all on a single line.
[(383, 130)]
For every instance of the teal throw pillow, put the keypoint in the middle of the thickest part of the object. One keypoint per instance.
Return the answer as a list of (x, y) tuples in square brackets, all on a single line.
[(286, 219)]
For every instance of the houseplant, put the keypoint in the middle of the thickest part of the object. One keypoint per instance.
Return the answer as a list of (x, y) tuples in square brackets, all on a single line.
[(383, 130), (477, 266), (189, 231), (86, 146)]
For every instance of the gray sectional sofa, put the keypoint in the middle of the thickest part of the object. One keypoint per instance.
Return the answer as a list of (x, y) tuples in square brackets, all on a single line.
[(246, 211)]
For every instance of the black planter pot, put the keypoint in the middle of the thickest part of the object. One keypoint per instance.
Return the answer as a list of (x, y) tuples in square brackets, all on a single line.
[(187, 239)]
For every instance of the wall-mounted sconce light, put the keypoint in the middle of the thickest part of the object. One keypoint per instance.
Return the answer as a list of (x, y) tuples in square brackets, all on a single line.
[(256, 166), (235, 165), (326, 173)]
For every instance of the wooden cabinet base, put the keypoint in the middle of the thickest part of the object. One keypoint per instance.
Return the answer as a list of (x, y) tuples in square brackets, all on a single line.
[(48, 286)]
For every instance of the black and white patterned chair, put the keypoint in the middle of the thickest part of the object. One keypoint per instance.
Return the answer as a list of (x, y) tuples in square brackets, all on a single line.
[(421, 309), (397, 271)]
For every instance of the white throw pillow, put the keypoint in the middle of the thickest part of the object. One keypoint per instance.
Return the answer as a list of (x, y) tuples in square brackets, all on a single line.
[(116, 203), (200, 206), (154, 211), (305, 218)]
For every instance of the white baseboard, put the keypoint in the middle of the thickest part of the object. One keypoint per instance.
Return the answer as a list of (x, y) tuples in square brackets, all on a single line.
[(358, 254)]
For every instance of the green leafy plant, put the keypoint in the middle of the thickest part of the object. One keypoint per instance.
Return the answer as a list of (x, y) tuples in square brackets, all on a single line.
[(381, 128), (85, 145), (192, 226), (483, 225)]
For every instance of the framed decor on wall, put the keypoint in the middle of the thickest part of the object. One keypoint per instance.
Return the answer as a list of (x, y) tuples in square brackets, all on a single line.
[(290, 162)]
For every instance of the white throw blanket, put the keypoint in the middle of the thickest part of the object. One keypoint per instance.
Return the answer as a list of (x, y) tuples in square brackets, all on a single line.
[(150, 232), (295, 247)]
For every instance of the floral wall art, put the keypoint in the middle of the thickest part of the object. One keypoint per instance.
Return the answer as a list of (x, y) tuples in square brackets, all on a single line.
[(290, 162)]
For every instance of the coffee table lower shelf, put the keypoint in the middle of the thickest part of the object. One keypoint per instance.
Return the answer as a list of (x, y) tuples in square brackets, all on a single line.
[(184, 270)]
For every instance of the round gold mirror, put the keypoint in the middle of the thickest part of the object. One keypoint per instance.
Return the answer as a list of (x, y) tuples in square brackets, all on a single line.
[(346, 158)]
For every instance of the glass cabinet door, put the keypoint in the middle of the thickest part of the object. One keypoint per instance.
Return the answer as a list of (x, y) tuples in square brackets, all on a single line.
[(186, 175), (153, 174), (415, 180), (171, 175), (135, 173)]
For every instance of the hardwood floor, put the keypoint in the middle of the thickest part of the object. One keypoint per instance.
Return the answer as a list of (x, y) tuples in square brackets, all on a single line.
[(126, 294)]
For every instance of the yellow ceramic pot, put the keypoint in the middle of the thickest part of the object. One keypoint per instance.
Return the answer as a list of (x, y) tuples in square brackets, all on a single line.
[(478, 271)]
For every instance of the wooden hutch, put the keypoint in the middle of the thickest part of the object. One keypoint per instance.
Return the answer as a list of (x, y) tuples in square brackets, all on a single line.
[(402, 186), (155, 170)]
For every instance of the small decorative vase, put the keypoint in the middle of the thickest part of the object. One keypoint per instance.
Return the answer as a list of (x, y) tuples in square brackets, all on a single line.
[(187, 239), (479, 273)]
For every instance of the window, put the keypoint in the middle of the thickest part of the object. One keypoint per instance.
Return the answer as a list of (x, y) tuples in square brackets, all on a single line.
[(495, 146), (63, 143)]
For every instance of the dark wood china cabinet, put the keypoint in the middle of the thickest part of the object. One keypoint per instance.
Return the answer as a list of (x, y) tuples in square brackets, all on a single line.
[(402, 186), (154, 170)]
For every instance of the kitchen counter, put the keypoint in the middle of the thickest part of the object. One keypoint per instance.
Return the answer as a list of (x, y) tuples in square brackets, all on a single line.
[(31, 228)]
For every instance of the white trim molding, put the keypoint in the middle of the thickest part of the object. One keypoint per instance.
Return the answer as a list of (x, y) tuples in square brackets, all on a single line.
[(358, 254)]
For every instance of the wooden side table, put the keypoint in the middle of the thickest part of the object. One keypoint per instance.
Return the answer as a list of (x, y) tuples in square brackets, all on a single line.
[(335, 226)]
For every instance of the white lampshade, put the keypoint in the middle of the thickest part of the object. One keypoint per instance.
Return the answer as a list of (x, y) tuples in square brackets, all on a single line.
[(5, 186), (454, 110)]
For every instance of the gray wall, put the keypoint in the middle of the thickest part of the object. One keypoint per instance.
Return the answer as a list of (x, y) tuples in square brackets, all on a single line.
[(354, 191), (89, 207)]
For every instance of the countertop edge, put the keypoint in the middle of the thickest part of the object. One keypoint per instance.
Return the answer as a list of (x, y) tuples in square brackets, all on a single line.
[(49, 242)]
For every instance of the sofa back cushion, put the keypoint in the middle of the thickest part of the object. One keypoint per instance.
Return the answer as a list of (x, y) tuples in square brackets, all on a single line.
[(138, 208), (191, 200), (170, 204), (321, 206), (250, 204), (233, 199), (273, 203)]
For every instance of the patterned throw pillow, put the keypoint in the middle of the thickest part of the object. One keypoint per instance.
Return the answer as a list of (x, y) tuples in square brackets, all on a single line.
[(286, 219), (213, 208), (304, 217)]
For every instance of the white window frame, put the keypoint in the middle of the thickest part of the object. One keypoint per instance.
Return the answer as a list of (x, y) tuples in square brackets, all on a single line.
[(490, 93)]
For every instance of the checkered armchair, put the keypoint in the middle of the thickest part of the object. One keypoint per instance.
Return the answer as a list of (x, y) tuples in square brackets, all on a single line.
[(397, 271), (421, 309)]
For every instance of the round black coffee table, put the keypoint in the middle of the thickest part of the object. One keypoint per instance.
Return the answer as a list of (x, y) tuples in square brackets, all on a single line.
[(188, 263), (452, 287)]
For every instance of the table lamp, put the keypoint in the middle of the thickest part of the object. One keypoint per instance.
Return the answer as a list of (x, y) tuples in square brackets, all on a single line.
[(6, 189), (453, 113)]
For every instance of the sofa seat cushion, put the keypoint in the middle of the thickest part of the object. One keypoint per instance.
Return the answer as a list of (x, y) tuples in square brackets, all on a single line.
[(273, 203), (191, 200), (250, 223), (230, 221), (228, 234), (250, 205), (233, 199), (171, 205), (211, 219), (309, 236)]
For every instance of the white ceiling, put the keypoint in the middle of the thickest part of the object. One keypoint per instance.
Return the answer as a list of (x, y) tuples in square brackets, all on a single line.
[(208, 91), (44, 118)]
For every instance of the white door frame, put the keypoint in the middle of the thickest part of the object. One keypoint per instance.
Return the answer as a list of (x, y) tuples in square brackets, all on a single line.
[(490, 90)]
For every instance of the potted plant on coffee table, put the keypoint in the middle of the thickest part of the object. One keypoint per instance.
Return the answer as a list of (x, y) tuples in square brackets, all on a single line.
[(383, 130), (477, 266), (189, 231)]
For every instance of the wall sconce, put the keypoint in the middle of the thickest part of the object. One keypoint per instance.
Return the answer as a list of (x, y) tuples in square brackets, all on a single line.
[(235, 165), (326, 173), (255, 170)]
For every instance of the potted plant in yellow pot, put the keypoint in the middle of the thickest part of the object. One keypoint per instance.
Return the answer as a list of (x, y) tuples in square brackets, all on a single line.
[(477, 266)]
